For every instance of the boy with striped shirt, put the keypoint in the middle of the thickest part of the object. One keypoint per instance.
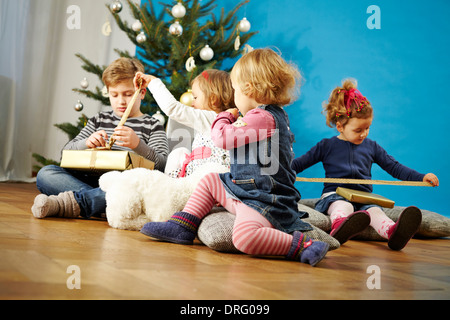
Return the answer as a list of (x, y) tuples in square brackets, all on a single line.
[(70, 193)]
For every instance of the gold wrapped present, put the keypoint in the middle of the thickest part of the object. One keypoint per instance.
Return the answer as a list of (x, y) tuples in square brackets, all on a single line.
[(102, 160), (364, 197)]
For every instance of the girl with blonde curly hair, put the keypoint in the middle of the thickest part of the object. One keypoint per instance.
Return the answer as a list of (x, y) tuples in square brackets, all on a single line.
[(212, 93), (259, 189), (350, 155)]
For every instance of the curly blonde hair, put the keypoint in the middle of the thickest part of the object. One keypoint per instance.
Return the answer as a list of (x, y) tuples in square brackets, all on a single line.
[(265, 76), (336, 108), (217, 88)]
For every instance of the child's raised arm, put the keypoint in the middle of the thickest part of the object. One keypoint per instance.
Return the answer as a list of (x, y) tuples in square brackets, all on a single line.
[(197, 119), (228, 132), (146, 78)]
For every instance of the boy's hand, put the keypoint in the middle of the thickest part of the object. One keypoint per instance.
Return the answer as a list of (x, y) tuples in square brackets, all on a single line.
[(431, 178), (146, 78), (126, 137), (97, 139)]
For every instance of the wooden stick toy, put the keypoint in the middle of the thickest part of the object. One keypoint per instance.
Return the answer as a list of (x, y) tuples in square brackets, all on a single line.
[(125, 115), (364, 181)]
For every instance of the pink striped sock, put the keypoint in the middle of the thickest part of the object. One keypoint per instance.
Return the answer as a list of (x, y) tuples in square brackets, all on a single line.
[(252, 233), (208, 192)]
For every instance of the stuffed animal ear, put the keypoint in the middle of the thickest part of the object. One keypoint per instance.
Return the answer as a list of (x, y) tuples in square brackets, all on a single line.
[(108, 179)]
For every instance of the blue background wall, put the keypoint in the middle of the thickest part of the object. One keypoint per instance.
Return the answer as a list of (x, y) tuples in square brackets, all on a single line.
[(403, 69)]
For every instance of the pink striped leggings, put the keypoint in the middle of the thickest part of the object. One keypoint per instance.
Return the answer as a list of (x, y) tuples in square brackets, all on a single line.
[(252, 233)]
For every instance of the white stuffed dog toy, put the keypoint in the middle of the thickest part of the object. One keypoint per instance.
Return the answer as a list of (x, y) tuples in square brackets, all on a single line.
[(135, 197)]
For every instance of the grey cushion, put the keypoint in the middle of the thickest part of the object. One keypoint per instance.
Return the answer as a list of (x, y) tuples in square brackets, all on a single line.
[(433, 224), (316, 218), (216, 230)]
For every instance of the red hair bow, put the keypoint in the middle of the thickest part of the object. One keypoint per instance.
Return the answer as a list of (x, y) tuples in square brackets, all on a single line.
[(356, 96)]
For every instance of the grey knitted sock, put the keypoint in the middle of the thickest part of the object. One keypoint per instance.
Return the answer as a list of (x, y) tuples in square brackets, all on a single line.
[(69, 207), (62, 205), (44, 206)]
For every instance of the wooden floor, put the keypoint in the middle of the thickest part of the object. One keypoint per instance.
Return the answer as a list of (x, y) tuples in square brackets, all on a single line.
[(115, 264)]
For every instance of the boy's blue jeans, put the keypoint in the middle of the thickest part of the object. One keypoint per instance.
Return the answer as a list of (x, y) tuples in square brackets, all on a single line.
[(51, 180)]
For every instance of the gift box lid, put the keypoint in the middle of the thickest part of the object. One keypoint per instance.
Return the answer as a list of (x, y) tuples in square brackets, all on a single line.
[(364, 197), (103, 160)]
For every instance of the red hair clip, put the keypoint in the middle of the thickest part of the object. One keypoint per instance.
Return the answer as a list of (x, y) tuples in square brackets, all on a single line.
[(205, 75)]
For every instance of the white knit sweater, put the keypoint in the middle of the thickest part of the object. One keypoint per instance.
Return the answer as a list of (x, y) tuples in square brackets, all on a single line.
[(199, 120)]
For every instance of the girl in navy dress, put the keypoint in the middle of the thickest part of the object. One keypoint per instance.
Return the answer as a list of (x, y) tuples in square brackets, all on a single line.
[(351, 155)]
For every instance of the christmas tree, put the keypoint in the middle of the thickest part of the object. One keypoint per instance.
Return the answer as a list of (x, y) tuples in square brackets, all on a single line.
[(172, 42), (176, 44)]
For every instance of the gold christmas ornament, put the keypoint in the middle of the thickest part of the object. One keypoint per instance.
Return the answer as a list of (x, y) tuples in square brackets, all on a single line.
[(187, 98)]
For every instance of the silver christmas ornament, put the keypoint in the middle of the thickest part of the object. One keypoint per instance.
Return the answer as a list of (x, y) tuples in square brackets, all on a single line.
[(84, 83), (78, 106), (206, 53), (178, 10), (116, 6), (136, 26), (176, 29), (141, 37), (244, 25), (158, 116)]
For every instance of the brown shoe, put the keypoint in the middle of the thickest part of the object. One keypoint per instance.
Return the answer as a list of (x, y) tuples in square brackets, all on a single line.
[(405, 228)]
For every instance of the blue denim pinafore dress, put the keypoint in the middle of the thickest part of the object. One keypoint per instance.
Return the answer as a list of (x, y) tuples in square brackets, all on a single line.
[(261, 176)]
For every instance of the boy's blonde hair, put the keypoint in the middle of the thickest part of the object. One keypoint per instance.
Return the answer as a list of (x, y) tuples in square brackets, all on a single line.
[(265, 76), (217, 88), (340, 109), (122, 69)]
